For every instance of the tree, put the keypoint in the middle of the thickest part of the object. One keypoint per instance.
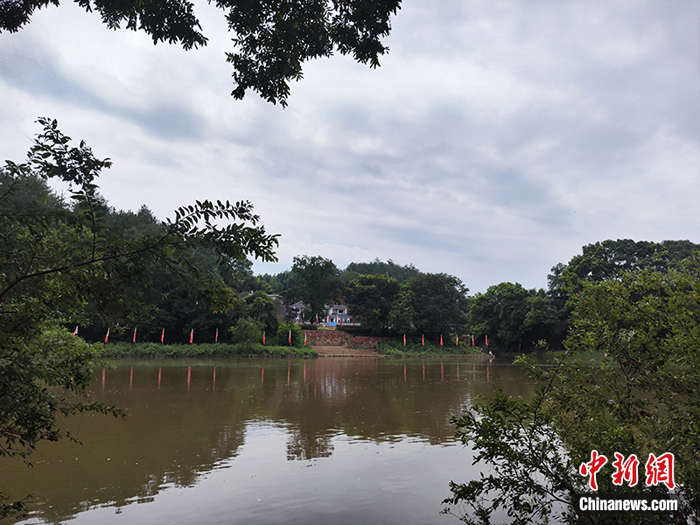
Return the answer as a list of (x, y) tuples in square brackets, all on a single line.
[(402, 314), (607, 259), (371, 298), (55, 259), (259, 307), (439, 303), (387, 269), (513, 317), (641, 397), (319, 282), (272, 38)]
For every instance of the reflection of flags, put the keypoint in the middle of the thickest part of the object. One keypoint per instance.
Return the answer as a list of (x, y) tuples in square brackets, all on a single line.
[(487, 340), (191, 336), (440, 339), (422, 339), (263, 337), (75, 332), (134, 334), (216, 337), (107, 336), (404, 339), (162, 336)]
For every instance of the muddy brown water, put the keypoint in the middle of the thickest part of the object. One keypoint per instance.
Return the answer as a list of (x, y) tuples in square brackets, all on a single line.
[(316, 441)]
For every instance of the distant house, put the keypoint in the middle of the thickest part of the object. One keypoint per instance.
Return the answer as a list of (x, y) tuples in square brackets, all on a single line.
[(335, 314), (338, 313), (294, 311)]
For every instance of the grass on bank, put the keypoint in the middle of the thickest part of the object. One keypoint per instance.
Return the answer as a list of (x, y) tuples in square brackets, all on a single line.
[(198, 350), (415, 347)]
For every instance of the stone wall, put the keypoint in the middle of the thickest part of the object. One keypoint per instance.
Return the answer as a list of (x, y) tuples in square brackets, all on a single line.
[(339, 338)]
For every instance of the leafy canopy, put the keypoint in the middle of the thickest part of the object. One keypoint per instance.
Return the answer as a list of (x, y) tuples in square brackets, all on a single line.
[(57, 258), (272, 38), (642, 396)]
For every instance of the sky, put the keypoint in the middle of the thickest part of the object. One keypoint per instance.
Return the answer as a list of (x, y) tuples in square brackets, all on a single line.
[(497, 138)]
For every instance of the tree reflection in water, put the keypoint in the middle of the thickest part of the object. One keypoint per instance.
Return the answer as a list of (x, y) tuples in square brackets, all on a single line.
[(188, 419)]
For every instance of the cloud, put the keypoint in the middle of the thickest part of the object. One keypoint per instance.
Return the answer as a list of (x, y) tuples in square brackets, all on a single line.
[(496, 139)]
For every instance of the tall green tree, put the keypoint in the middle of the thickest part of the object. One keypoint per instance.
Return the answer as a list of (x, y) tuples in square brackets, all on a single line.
[(402, 316), (514, 318), (439, 303), (319, 282), (55, 259), (371, 298), (642, 397), (272, 39), (605, 260)]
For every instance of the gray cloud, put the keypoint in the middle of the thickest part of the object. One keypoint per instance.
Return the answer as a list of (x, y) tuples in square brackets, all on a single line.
[(496, 139)]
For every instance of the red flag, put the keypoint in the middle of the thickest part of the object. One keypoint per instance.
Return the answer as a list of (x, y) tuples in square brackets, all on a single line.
[(290, 337), (472, 340), (457, 340), (134, 335), (422, 339), (162, 336), (191, 336), (487, 340), (263, 337), (316, 318), (75, 332), (107, 336), (440, 339), (216, 337), (404, 339), (304, 338)]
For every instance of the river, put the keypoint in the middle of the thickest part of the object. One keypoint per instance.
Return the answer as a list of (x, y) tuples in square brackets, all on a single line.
[(317, 441)]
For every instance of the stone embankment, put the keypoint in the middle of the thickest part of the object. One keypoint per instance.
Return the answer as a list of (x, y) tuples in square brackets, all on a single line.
[(337, 343)]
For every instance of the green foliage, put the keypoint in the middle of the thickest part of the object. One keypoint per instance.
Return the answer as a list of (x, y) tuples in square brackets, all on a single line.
[(247, 332), (319, 282), (387, 269), (61, 263), (272, 39), (527, 469), (641, 397), (282, 336), (402, 315), (608, 259), (439, 303), (514, 318), (198, 350), (414, 346), (371, 298), (41, 378), (260, 308)]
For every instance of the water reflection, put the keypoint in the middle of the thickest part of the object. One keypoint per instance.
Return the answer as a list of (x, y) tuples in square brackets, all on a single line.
[(190, 418)]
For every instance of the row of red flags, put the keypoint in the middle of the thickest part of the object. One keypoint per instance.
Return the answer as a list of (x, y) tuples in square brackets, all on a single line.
[(441, 341), (216, 338)]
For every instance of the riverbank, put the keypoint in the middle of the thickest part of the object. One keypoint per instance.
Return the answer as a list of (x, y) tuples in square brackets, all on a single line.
[(394, 348), (199, 350), (384, 349)]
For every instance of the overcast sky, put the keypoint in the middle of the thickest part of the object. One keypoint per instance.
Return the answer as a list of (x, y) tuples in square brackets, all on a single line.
[(496, 139)]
